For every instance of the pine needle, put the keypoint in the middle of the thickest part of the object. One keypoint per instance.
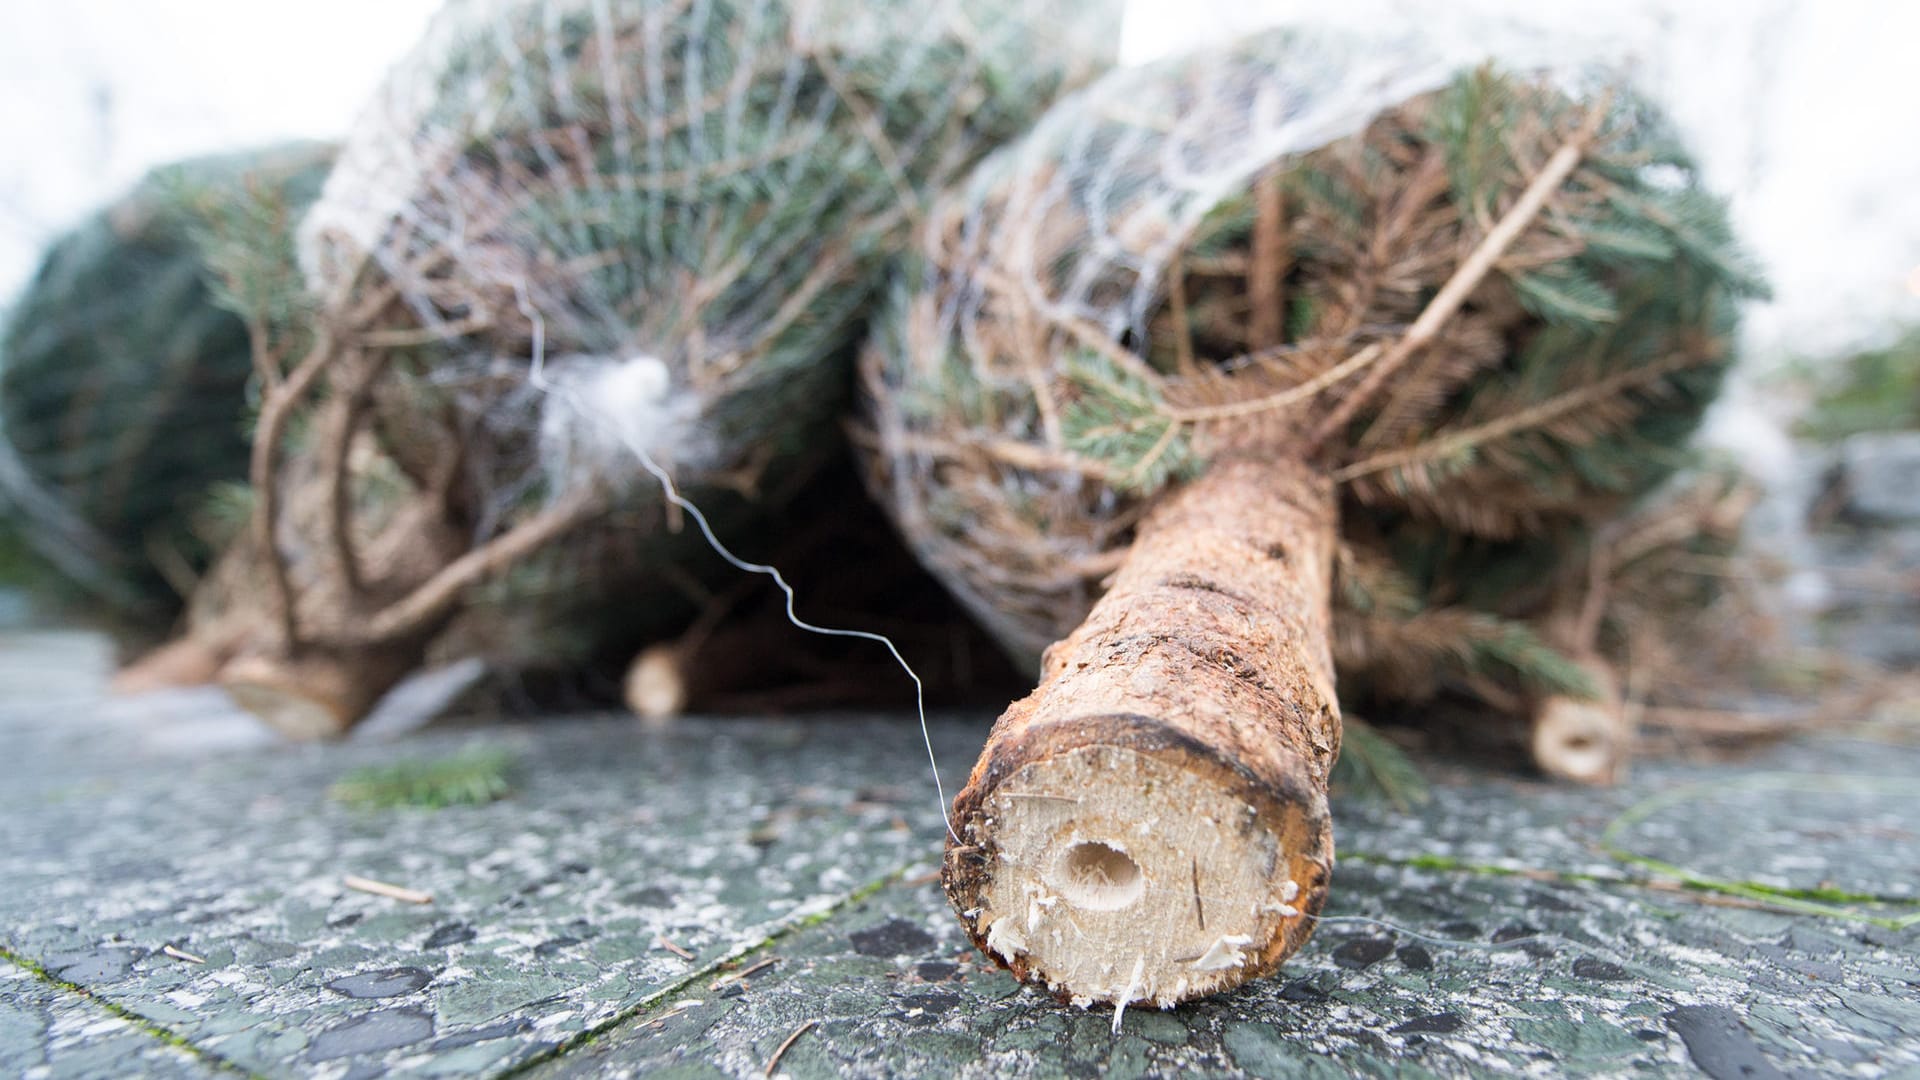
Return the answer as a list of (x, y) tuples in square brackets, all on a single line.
[(1372, 767)]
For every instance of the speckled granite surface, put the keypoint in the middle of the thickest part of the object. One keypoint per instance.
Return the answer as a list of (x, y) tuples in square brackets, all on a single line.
[(791, 860)]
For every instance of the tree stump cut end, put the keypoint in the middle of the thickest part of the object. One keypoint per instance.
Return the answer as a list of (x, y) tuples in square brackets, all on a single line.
[(1119, 862)]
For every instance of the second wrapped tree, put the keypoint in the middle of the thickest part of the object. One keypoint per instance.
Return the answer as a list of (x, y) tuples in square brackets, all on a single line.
[(1219, 335), (567, 235)]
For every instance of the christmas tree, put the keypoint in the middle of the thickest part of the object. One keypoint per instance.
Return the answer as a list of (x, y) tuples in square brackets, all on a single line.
[(1302, 354), (122, 391), (569, 240)]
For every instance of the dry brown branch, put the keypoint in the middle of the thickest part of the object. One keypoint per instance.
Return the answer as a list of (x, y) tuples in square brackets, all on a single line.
[(1292, 395), (1536, 416), (276, 409), (381, 888), (1467, 278), (426, 335), (345, 410), (1271, 256), (438, 595), (774, 1061)]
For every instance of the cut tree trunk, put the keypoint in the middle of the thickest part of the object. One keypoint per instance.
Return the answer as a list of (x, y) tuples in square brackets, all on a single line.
[(185, 662), (318, 685), (1151, 823), (1586, 741), (319, 695)]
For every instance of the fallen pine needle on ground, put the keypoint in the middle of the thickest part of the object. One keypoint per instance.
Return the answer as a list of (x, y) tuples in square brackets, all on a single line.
[(774, 1061), (381, 888)]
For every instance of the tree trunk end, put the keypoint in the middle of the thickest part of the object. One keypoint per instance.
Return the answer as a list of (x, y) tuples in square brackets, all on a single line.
[(1587, 742), (317, 695), (656, 688), (187, 661), (1151, 824)]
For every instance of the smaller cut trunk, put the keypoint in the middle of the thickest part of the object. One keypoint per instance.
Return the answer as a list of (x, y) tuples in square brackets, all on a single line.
[(187, 661), (1586, 741), (319, 695), (1151, 824)]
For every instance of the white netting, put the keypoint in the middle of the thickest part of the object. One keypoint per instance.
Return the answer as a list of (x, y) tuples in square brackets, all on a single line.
[(679, 209), (710, 183), (1082, 331)]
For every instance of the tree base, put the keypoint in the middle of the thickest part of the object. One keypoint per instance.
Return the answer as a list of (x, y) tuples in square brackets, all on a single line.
[(656, 686), (177, 664), (319, 696), (1138, 867), (1151, 823), (1587, 742)]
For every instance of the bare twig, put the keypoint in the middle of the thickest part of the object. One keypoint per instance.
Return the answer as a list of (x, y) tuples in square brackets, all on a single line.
[(1006, 451), (1292, 395), (661, 940), (276, 409), (743, 974), (1537, 416), (182, 954), (344, 410), (1271, 256), (442, 591), (425, 335), (1182, 325)]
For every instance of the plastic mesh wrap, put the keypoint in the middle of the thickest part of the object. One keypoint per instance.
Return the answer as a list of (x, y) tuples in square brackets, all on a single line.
[(693, 198), (682, 210), (122, 383), (1206, 255)]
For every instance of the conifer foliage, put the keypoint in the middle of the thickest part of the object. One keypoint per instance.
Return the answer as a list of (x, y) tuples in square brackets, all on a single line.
[(1455, 315), (569, 233), (122, 387)]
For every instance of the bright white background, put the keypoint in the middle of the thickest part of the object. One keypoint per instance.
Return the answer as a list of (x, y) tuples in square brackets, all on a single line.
[(1806, 111)]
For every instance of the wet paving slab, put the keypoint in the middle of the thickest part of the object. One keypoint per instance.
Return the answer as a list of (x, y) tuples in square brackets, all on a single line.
[(684, 902), (49, 1030), (622, 863), (1579, 979), (1831, 819)]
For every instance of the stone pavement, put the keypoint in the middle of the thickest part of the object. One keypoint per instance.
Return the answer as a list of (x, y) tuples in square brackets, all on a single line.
[(683, 903)]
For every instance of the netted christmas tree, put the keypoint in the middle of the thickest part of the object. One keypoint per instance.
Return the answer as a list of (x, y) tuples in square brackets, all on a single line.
[(122, 391), (571, 234), (1302, 355)]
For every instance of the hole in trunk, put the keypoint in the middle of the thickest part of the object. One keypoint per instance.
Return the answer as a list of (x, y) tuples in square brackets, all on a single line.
[(1099, 877)]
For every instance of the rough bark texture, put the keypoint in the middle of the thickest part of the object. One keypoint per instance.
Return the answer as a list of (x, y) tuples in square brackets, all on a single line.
[(324, 683), (1151, 823)]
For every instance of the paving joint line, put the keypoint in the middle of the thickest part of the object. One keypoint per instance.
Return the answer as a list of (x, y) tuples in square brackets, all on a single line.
[(639, 1008), (146, 1024)]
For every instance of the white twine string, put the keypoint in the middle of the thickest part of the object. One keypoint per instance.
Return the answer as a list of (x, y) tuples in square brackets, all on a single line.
[(1460, 943), (537, 376)]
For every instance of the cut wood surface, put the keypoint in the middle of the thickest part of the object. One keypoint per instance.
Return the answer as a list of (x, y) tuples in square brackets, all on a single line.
[(1151, 823)]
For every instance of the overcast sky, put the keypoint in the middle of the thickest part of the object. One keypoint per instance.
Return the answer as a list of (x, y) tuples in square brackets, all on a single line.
[(1804, 110)]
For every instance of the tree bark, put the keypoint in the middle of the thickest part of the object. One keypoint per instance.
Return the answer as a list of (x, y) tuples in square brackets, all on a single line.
[(319, 687), (1151, 823), (319, 695)]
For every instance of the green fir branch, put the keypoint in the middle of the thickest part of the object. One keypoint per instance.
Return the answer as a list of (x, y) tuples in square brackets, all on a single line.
[(470, 778), (1372, 767), (1119, 420)]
